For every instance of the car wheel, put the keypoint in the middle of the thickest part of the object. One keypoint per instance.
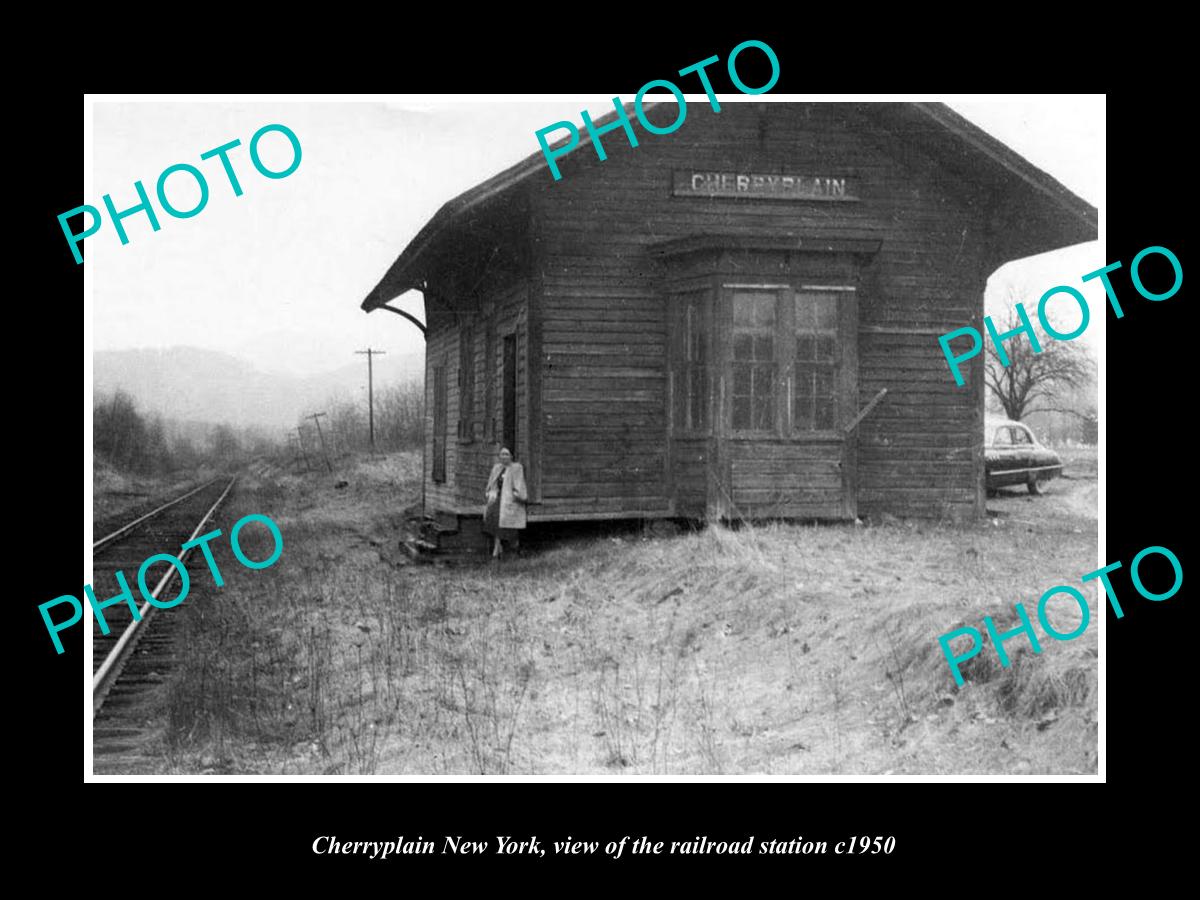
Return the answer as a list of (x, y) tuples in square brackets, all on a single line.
[(1035, 487)]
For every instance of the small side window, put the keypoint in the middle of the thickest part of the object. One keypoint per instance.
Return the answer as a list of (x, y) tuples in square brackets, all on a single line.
[(1002, 438), (1021, 436)]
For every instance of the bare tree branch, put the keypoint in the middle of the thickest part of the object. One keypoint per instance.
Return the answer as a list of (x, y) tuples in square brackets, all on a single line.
[(1030, 376)]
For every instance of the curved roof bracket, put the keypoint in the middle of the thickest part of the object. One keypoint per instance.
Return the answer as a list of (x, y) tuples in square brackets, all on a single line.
[(401, 312)]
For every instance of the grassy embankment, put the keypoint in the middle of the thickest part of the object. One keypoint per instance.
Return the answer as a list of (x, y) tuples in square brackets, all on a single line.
[(774, 649), (116, 493)]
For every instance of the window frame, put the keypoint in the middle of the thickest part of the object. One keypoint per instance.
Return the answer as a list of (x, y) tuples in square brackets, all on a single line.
[(785, 337), (691, 307), (779, 351), (837, 366)]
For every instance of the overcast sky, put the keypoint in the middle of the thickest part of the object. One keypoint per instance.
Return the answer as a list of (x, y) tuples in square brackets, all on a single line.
[(277, 274)]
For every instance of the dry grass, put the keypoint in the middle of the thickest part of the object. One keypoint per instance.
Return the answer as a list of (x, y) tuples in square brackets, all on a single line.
[(116, 494), (774, 649)]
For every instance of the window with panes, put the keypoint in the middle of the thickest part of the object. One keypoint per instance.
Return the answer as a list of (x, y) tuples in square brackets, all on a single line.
[(785, 360), (815, 365), (692, 403), (755, 315)]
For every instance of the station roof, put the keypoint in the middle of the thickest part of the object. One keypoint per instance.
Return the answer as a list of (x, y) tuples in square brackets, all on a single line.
[(932, 127)]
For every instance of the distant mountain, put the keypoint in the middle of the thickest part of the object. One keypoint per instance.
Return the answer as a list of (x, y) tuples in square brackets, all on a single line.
[(296, 352), (188, 383)]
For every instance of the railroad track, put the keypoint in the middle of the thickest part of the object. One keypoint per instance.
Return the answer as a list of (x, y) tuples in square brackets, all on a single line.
[(116, 532), (133, 657)]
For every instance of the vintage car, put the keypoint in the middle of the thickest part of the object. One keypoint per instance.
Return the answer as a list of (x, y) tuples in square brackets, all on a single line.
[(1012, 455)]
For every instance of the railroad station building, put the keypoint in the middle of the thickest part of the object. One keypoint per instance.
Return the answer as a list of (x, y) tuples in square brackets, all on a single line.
[(735, 320)]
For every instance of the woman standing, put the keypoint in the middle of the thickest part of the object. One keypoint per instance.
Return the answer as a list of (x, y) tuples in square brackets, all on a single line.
[(504, 515)]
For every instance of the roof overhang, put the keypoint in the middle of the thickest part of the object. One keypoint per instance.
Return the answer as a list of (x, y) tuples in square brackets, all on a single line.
[(925, 124), (1013, 163)]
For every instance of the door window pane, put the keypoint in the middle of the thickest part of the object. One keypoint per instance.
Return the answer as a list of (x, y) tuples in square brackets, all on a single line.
[(823, 419), (754, 309), (825, 308), (824, 382), (741, 414), (754, 360), (764, 412), (814, 377), (691, 407), (741, 381)]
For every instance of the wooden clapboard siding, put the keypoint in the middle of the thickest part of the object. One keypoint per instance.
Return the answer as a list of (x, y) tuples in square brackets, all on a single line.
[(581, 269), (775, 478), (440, 349), (468, 462), (920, 451), (604, 326), (602, 399)]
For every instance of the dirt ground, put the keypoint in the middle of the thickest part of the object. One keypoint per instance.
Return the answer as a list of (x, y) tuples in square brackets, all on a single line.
[(777, 649)]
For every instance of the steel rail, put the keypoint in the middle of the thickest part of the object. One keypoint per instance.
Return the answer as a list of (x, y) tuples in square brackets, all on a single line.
[(106, 674), (154, 512)]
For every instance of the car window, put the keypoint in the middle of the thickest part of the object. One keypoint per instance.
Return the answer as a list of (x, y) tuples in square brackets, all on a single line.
[(1021, 436), (1003, 439)]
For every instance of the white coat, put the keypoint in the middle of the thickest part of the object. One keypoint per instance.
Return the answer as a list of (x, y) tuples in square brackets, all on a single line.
[(513, 494)]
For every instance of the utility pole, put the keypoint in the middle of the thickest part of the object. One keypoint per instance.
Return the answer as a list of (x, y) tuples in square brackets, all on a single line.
[(316, 417), (369, 353), (300, 434)]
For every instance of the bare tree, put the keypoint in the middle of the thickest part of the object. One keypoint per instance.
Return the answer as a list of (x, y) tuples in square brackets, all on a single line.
[(347, 426), (223, 444), (400, 414), (399, 420), (1036, 382), (118, 430), (149, 444)]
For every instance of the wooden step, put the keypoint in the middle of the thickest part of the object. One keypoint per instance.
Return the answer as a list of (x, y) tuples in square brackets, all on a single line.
[(436, 540)]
